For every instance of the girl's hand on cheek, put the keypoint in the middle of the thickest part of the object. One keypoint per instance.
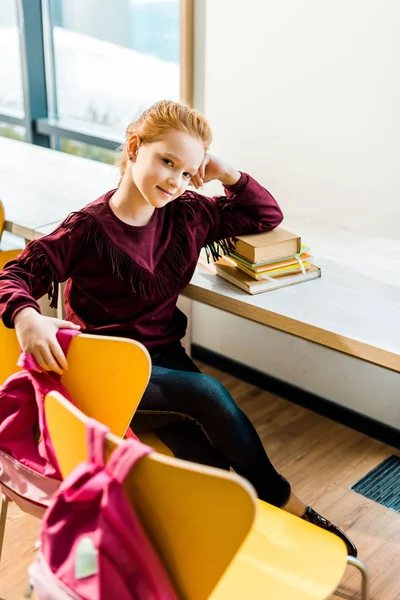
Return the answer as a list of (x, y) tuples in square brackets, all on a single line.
[(213, 168)]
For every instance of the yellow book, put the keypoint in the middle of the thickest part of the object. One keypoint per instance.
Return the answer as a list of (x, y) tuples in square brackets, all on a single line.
[(280, 272), (289, 260)]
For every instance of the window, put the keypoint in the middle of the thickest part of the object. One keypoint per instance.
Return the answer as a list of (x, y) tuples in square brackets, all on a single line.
[(112, 59), (14, 132), (88, 151), (11, 95), (78, 72)]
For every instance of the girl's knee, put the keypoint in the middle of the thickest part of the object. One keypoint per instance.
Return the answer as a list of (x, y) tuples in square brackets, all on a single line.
[(214, 391), (209, 384)]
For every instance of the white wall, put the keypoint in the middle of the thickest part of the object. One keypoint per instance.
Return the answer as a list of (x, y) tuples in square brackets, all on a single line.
[(305, 95)]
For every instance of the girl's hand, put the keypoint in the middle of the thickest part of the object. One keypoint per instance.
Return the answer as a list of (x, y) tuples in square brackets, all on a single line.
[(37, 336), (214, 168)]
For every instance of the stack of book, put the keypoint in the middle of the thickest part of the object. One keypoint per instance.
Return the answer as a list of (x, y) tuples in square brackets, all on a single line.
[(267, 261)]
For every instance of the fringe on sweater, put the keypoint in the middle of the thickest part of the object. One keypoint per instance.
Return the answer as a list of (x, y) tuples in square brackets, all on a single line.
[(36, 261), (167, 276), (224, 246)]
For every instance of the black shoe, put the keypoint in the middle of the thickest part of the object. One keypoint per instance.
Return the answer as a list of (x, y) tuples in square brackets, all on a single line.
[(316, 519)]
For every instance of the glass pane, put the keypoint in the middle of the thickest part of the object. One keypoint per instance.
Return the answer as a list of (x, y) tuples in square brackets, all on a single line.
[(88, 151), (12, 131), (11, 94), (113, 59)]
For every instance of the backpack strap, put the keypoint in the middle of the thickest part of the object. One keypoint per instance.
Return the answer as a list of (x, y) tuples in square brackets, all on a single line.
[(125, 457), (96, 434)]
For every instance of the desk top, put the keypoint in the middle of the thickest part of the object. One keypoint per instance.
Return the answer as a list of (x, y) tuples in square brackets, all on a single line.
[(39, 186), (353, 308)]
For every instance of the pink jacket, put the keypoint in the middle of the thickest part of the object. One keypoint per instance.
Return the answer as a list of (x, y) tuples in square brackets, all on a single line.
[(28, 466)]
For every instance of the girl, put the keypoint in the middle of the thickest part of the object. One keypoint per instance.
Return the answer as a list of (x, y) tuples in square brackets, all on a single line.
[(126, 257)]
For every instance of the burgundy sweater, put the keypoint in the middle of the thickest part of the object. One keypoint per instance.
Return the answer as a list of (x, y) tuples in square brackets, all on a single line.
[(124, 280)]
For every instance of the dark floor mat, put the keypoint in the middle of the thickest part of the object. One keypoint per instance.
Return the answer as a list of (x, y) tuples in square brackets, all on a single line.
[(382, 484)]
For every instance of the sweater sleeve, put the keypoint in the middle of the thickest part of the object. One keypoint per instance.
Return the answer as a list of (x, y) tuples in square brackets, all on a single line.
[(246, 208), (39, 269)]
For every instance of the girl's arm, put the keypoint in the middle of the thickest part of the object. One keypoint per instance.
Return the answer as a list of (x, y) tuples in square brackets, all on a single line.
[(39, 269), (246, 208)]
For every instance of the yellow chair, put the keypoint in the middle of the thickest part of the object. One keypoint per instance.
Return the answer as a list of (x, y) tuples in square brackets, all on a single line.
[(96, 356), (7, 338), (195, 517), (7, 255), (107, 377)]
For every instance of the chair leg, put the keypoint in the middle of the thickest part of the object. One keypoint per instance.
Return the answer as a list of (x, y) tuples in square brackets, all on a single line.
[(3, 517), (365, 588)]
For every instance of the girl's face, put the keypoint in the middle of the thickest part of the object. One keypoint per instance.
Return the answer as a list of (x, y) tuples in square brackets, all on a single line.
[(162, 170)]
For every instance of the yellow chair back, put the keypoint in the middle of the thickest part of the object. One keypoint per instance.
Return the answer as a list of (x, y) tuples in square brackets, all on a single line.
[(9, 351), (9, 348), (7, 337), (106, 376), (7, 255), (104, 387), (196, 516)]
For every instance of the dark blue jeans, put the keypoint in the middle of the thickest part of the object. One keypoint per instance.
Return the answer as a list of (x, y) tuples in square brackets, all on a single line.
[(197, 418)]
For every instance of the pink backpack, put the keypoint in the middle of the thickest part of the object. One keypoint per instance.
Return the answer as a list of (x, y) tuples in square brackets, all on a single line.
[(29, 472), (93, 544)]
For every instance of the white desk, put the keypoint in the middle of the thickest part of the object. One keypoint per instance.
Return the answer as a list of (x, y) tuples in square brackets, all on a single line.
[(39, 186), (353, 308), (344, 310)]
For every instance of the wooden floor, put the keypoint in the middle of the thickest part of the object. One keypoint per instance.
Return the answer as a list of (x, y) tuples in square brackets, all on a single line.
[(320, 458)]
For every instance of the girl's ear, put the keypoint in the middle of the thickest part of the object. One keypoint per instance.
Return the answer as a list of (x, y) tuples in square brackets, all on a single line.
[(132, 146)]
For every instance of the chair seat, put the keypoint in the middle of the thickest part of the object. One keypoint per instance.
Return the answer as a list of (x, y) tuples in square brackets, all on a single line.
[(283, 558), (150, 439)]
